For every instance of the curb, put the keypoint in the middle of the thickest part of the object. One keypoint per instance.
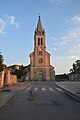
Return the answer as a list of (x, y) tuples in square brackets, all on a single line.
[(69, 93)]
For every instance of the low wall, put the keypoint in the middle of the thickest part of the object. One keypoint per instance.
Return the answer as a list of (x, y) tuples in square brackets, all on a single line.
[(1, 79), (13, 79), (6, 79)]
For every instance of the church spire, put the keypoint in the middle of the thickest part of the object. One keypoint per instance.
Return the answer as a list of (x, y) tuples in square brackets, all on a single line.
[(39, 25), (39, 29)]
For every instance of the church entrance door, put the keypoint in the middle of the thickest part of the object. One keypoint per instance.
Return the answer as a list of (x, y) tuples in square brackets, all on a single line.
[(40, 75)]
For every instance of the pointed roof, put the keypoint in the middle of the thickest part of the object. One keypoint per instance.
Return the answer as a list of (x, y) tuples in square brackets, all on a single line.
[(39, 25)]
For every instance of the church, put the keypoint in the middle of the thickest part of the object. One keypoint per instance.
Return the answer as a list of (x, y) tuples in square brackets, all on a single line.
[(40, 68)]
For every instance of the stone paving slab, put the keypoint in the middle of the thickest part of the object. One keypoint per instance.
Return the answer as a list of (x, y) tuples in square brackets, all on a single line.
[(73, 88)]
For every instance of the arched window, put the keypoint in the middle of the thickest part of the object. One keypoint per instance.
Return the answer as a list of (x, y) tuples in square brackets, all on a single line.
[(38, 41), (41, 41)]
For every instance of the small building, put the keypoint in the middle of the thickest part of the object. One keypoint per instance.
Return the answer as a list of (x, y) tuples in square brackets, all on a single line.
[(74, 77), (62, 77), (13, 68)]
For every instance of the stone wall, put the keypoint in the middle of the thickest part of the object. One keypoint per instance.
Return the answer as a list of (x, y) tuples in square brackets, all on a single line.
[(1, 79), (13, 79), (6, 79), (43, 73)]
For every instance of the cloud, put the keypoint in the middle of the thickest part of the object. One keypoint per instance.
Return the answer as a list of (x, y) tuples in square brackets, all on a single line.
[(55, 49), (76, 19), (7, 22), (72, 57), (75, 49), (68, 45), (11, 20), (72, 36), (2, 26), (58, 2)]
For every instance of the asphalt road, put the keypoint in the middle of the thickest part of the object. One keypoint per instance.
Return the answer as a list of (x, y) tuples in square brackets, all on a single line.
[(41, 101)]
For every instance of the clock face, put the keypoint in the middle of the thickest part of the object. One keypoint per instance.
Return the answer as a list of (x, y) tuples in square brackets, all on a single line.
[(40, 61), (39, 49)]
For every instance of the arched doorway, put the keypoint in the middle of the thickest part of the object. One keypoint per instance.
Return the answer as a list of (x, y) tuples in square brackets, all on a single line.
[(39, 75)]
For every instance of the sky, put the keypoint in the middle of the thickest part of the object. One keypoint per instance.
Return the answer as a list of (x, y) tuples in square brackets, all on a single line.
[(61, 20)]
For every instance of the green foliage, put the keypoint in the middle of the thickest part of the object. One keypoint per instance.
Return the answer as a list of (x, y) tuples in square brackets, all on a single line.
[(1, 63), (20, 80), (20, 73), (76, 67)]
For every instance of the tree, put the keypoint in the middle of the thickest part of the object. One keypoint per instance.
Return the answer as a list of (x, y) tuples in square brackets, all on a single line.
[(1, 63), (76, 67), (19, 73)]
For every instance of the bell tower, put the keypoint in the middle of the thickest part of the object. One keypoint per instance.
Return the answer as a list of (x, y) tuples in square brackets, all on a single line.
[(39, 36), (40, 68)]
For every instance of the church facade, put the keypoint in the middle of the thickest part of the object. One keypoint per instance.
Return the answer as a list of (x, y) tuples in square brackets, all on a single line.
[(40, 68)]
